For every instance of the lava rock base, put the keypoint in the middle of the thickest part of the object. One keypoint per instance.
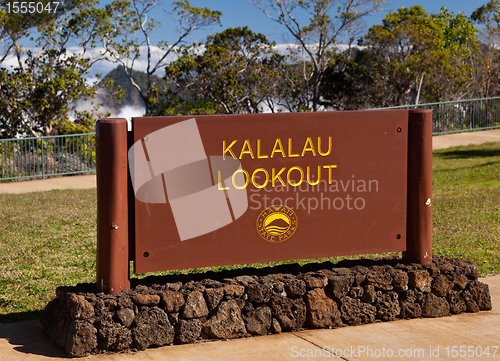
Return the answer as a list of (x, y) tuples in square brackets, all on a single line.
[(181, 309)]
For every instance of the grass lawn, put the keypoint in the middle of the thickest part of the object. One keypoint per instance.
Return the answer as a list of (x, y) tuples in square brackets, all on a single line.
[(466, 213), (47, 239)]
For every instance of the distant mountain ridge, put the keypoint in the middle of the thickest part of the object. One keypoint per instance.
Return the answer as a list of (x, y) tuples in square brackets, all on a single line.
[(131, 96)]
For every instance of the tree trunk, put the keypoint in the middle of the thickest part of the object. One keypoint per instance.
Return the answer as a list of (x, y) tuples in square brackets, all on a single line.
[(316, 82)]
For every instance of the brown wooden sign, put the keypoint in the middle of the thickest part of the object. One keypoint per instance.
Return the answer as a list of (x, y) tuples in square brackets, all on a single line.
[(238, 189)]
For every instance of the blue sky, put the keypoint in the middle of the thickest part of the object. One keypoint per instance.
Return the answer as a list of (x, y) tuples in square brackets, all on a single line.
[(241, 13)]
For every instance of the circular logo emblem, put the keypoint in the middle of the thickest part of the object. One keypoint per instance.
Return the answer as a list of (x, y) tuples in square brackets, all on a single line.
[(277, 223)]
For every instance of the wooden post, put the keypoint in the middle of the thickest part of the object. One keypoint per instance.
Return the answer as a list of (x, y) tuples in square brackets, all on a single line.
[(419, 191), (112, 212)]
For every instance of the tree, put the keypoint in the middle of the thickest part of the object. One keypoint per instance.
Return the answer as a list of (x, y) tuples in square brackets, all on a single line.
[(15, 25), (37, 93), (292, 91), (489, 16), (235, 74), (487, 68), (459, 43), (413, 52), (345, 85), (188, 18), (332, 23)]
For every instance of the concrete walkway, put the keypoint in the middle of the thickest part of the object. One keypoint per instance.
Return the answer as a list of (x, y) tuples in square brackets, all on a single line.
[(456, 139), (42, 185), (89, 181), (417, 339)]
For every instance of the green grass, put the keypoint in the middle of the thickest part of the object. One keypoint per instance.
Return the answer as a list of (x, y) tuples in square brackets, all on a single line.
[(468, 167), (47, 239), (466, 206)]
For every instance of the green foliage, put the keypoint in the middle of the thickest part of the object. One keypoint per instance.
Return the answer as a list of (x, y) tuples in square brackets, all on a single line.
[(173, 104), (39, 92), (69, 127), (459, 35), (16, 24), (233, 75), (345, 85), (488, 14), (413, 47), (194, 15)]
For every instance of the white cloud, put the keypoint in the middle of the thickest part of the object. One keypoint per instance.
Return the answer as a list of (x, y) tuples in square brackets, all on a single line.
[(9, 63), (91, 80), (129, 111)]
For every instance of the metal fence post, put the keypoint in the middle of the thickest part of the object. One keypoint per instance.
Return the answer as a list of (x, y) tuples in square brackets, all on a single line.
[(43, 163), (112, 212), (419, 190)]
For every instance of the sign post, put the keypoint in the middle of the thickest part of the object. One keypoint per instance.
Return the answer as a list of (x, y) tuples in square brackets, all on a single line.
[(112, 212), (185, 192), (419, 199)]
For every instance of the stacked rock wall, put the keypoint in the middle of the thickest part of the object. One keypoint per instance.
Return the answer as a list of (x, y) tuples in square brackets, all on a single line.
[(185, 309)]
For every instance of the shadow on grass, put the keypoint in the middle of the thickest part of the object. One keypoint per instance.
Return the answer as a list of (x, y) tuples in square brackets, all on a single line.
[(468, 168), (468, 153), (20, 316)]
